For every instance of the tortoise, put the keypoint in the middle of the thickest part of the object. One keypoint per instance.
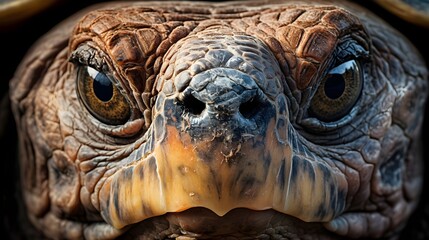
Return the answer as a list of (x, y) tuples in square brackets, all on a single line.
[(238, 120)]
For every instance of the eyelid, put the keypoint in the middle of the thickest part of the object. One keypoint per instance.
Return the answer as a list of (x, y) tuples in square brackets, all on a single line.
[(89, 56), (350, 49)]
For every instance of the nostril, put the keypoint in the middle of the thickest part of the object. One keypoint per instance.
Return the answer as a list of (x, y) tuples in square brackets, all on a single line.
[(193, 105), (250, 108)]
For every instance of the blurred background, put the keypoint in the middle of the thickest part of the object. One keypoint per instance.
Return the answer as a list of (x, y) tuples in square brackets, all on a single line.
[(22, 22)]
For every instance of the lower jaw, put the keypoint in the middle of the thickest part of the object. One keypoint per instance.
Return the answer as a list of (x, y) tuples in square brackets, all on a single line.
[(201, 223)]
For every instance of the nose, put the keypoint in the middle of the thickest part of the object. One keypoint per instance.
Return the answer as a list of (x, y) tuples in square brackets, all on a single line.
[(223, 98), (226, 101)]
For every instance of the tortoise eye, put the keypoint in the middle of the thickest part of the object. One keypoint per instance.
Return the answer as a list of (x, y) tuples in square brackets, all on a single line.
[(101, 97), (338, 92)]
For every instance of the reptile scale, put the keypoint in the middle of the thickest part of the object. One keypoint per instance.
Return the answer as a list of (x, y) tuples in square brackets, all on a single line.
[(234, 120)]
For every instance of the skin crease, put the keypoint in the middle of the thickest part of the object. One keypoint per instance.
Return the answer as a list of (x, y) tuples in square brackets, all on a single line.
[(74, 166)]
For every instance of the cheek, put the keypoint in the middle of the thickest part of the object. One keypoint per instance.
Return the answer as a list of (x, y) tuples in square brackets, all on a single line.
[(407, 109), (391, 166), (64, 183)]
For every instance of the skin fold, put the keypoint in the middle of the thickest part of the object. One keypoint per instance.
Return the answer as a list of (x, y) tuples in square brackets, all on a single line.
[(236, 120)]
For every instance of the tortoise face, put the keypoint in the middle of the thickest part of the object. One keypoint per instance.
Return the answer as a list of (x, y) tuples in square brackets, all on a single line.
[(161, 120)]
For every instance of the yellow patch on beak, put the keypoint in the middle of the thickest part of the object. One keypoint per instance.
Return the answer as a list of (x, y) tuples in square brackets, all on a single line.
[(259, 173)]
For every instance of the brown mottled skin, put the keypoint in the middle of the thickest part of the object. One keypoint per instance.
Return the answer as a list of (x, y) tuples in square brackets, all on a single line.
[(213, 131)]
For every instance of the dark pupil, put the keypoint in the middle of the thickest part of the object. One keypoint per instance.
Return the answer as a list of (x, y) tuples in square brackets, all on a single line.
[(103, 87), (334, 86)]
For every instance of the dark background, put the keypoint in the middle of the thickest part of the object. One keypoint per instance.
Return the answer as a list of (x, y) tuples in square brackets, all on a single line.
[(15, 40)]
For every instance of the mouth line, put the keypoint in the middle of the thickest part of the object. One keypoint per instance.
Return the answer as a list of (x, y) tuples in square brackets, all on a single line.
[(239, 223)]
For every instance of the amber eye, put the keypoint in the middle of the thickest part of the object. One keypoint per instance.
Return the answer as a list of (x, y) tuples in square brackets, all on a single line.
[(338, 92), (101, 97)]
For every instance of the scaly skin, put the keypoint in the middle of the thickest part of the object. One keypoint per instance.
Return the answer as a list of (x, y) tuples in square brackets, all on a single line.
[(221, 137)]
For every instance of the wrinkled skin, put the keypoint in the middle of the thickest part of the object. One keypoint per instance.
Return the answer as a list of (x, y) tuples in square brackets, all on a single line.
[(223, 132)]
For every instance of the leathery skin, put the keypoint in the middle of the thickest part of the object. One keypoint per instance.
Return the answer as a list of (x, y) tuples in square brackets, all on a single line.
[(224, 138)]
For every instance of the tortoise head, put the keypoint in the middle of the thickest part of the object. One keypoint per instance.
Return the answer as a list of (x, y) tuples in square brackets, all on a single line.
[(162, 120)]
